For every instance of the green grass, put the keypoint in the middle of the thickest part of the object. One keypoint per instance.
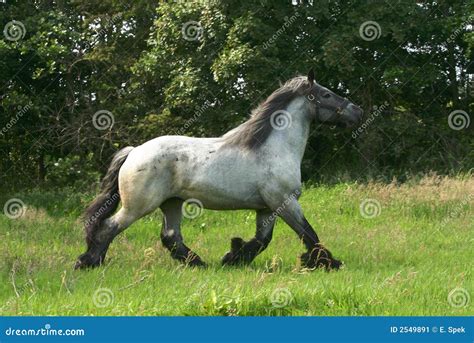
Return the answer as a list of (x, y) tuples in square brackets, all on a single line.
[(405, 261)]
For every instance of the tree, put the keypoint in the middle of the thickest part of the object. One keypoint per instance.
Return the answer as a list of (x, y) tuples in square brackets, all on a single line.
[(199, 68)]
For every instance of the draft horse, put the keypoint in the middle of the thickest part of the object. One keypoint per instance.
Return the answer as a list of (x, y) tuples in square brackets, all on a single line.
[(254, 166)]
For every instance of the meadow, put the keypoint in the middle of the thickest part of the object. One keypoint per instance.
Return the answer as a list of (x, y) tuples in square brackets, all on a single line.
[(409, 252)]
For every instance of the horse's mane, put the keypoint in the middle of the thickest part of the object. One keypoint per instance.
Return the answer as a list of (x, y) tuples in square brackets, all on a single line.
[(255, 131)]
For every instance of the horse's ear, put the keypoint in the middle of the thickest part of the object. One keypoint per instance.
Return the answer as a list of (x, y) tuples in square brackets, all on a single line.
[(311, 76)]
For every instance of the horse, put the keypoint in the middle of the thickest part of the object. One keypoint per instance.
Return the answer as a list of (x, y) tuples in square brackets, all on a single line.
[(255, 166)]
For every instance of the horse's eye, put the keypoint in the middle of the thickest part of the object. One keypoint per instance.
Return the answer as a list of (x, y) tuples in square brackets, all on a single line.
[(326, 95)]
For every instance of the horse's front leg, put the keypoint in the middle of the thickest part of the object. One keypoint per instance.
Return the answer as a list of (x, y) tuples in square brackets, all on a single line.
[(242, 252), (317, 255)]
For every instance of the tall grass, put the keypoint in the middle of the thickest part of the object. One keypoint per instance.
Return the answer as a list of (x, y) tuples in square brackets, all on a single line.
[(407, 260)]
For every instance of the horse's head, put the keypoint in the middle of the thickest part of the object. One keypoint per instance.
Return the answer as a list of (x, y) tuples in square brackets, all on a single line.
[(330, 108)]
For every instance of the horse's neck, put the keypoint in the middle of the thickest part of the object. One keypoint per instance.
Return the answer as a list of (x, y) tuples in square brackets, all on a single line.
[(294, 137)]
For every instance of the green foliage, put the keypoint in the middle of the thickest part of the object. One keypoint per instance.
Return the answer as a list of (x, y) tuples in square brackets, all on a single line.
[(131, 58)]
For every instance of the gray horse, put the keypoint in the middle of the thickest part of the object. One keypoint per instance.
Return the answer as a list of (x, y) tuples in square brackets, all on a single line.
[(254, 166)]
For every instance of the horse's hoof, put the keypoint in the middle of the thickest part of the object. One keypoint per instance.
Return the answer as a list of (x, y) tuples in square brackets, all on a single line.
[(85, 261), (195, 261), (230, 259), (236, 244), (233, 257), (227, 259), (320, 258), (82, 265), (335, 264), (79, 265), (199, 264)]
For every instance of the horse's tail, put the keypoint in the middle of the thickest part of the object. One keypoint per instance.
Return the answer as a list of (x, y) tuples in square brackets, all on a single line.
[(107, 201)]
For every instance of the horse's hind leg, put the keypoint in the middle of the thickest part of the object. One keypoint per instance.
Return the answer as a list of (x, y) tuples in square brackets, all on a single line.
[(135, 204), (244, 252), (171, 233), (103, 236)]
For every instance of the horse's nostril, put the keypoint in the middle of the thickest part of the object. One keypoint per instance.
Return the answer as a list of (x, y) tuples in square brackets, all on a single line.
[(358, 112)]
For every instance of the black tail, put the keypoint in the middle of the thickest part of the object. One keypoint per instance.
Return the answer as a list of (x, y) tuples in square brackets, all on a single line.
[(105, 204)]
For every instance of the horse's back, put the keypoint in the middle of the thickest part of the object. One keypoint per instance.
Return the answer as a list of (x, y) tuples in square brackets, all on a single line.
[(188, 167)]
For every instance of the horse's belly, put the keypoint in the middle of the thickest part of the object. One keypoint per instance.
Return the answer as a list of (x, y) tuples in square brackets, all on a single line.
[(223, 191), (227, 203), (224, 195)]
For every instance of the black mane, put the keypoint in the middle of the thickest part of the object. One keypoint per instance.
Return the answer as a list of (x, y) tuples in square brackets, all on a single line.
[(256, 130)]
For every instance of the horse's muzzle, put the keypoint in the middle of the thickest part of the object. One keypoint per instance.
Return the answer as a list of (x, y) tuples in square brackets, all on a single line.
[(355, 115)]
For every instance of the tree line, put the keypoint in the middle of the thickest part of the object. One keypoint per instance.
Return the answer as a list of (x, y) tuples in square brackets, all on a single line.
[(81, 79)]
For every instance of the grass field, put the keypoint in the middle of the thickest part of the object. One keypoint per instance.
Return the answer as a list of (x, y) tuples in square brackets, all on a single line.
[(414, 257)]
